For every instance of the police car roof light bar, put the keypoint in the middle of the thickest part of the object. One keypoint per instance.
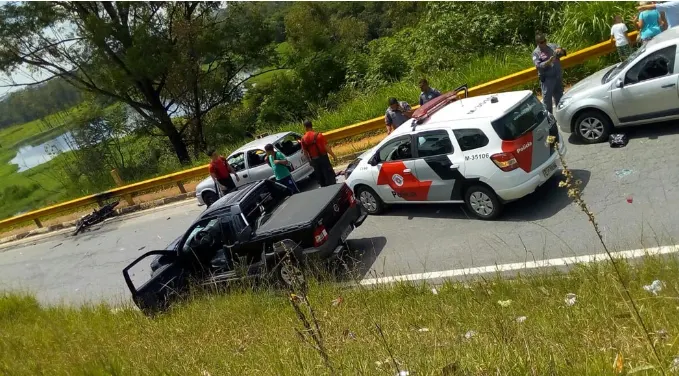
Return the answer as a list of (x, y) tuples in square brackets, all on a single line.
[(431, 107)]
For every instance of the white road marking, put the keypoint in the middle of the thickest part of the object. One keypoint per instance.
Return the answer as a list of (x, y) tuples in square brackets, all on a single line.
[(564, 261)]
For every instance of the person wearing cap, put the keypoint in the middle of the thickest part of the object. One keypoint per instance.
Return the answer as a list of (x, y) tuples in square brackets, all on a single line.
[(396, 114), (316, 149), (669, 8), (428, 93), (547, 60)]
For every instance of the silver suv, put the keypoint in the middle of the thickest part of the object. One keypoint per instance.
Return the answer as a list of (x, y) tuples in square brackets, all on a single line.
[(640, 90)]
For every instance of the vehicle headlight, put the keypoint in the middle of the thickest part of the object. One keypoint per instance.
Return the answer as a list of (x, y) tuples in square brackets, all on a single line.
[(351, 167), (563, 103)]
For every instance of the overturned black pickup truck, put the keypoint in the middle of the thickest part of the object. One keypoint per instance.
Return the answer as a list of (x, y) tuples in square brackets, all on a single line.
[(246, 234)]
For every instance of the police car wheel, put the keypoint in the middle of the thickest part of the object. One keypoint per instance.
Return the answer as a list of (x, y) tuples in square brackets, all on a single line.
[(370, 201), (592, 127), (483, 202)]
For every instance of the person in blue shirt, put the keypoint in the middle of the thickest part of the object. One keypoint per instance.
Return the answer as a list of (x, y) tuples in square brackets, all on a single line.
[(649, 24), (669, 8), (428, 93), (281, 168)]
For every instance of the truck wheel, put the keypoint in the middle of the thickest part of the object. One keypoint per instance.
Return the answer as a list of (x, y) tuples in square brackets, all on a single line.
[(483, 202), (289, 274), (209, 198), (371, 202), (592, 127)]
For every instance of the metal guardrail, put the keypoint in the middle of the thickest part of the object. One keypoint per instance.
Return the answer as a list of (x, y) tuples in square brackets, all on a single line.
[(507, 82)]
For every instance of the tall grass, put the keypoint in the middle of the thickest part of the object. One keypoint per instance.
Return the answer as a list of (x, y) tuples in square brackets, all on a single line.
[(471, 327)]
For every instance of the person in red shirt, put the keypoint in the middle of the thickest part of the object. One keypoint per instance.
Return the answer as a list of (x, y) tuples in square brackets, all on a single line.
[(316, 148), (221, 171)]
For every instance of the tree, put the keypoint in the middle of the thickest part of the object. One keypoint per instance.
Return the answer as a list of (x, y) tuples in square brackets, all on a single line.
[(148, 55)]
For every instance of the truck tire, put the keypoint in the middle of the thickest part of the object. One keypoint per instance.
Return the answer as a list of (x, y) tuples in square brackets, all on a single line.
[(370, 201), (483, 202), (289, 274)]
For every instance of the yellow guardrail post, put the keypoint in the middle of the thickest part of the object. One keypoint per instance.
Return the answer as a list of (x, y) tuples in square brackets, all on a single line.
[(119, 182), (493, 86)]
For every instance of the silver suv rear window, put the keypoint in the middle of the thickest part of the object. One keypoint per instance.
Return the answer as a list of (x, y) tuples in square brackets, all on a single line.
[(521, 120)]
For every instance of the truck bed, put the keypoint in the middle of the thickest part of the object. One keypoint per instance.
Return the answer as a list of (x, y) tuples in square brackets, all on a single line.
[(300, 209)]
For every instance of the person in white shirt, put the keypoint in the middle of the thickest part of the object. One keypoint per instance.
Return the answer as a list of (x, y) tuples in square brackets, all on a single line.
[(619, 35)]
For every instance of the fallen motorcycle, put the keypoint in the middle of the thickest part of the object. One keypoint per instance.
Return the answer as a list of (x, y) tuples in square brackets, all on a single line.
[(97, 216)]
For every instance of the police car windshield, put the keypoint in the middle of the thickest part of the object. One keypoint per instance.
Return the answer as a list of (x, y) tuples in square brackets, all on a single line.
[(521, 120)]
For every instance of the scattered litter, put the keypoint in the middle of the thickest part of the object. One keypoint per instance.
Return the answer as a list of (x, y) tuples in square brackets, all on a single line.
[(504, 303), (469, 334), (423, 330), (337, 301), (674, 367), (618, 363), (655, 287), (434, 291), (168, 218), (521, 319), (349, 333), (570, 299), (158, 236), (56, 245), (403, 373), (630, 199), (141, 248), (618, 140), (622, 173)]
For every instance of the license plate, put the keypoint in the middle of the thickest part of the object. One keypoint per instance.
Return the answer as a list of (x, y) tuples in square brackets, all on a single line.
[(346, 232), (547, 172)]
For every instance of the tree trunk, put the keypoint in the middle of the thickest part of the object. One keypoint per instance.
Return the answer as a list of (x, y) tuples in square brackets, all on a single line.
[(179, 146)]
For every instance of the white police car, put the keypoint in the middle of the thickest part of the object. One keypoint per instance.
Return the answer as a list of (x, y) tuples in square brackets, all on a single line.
[(482, 151)]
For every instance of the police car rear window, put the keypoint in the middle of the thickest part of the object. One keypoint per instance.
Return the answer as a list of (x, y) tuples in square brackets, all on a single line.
[(521, 120)]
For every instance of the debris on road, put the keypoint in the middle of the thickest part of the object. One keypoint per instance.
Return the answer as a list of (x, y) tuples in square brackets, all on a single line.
[(630, 199), (655, 287), (618, 140), (141, 248), (623, 172)]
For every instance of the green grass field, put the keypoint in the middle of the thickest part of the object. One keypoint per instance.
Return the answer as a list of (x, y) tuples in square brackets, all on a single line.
[(488, 326)]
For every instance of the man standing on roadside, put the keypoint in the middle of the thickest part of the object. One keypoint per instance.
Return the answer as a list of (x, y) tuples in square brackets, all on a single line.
[(670, 8), (397, 114), (316, 148), (221, 171), (428, 93), (547, 60)]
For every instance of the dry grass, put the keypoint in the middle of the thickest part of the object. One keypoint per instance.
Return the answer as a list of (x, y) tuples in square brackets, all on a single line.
[(472, 327)]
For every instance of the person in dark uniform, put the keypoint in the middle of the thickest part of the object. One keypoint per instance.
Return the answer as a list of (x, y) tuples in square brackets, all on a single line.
[(316, 148), (221, 171), (547, 60)]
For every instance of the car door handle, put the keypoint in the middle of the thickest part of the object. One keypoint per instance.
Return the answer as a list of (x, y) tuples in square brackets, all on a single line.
[(407, 171), (245, 175), (454, 166), (668, 85)]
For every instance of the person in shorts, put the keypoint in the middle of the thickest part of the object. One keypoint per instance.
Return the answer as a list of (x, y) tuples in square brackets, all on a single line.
[(281, 168), (619, 35), (221, 171)]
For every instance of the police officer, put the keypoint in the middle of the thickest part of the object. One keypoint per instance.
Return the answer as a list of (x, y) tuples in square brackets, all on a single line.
[(428, 93), (397, 113), (546, 58)]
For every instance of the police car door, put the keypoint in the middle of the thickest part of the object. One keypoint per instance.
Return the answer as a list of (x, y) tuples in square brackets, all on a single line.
[(440, 165), (396, 174)]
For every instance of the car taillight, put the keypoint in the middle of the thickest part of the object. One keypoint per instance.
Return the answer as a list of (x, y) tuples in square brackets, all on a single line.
[(351, 198), (505, 161), (320, 236)]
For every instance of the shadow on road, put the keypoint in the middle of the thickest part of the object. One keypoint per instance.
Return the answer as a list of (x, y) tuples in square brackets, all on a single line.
[(358, 261), (648, 131), (544, 203)]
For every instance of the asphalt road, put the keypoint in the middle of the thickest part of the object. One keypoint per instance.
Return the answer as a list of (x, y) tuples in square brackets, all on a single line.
[(407, 239)]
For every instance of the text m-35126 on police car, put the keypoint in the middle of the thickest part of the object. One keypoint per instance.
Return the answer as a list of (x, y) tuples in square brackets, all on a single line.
[(476, 156)]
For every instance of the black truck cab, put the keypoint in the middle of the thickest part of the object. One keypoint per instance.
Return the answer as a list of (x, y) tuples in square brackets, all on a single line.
[(245, 234)]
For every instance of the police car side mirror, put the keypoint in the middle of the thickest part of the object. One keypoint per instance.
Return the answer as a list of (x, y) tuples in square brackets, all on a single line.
[(373, 161), (619, 84)]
